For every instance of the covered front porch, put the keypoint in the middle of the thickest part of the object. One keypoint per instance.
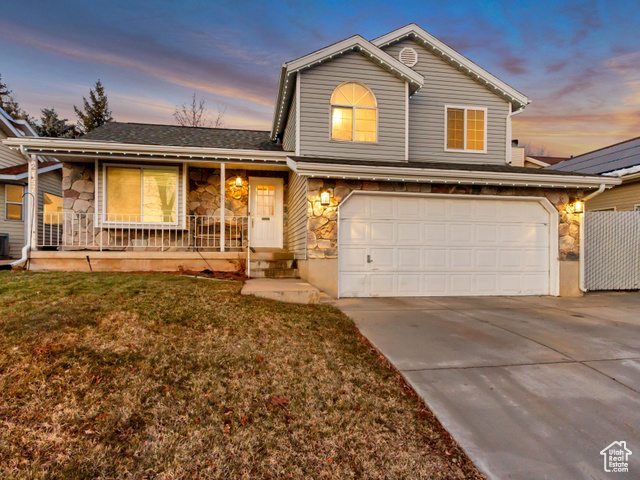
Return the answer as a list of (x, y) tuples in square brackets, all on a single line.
[(129, 208)]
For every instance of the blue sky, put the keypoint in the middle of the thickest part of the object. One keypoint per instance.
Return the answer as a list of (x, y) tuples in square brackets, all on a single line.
[(578, 61)]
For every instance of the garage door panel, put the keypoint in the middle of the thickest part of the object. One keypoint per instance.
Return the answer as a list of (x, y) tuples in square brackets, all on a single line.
[(443, 246)]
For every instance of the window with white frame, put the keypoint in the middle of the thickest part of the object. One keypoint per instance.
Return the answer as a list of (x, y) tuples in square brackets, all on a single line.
[(354, 113), (140, 194), (13, 202), (466, 129)]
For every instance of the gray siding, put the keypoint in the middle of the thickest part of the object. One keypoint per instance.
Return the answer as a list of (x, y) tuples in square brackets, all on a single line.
[(289, 137), (9, 157), (297, 220), (50, 182), (446, 85), (15, 228), (316, 86)]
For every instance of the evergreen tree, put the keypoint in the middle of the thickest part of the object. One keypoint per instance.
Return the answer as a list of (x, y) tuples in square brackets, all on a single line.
[(96, 110), (51, 125), (9, 104)]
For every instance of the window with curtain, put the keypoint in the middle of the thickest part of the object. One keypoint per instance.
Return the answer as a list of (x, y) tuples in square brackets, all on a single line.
[(13, 202), (141, 194), (52, 209), (466, 129), (354, 113)]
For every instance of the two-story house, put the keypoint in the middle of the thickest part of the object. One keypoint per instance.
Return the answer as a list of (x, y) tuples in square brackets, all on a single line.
[(386, 172)]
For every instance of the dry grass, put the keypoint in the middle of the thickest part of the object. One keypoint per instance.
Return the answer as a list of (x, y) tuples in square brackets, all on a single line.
[(160, 376)]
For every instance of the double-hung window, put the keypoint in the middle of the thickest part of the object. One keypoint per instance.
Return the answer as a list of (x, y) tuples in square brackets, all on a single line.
[(466, 129), (141, 194), (13, 201)]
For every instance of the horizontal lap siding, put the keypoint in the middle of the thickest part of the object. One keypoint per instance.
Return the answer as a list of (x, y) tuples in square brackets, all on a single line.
[(9, 157), (623, 197), (446, 85), (289, 138), (50, 182), (297, 221), (15, 228), (317, 85)]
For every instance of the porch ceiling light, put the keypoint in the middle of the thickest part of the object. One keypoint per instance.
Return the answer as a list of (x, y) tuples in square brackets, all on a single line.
[(325, 198), (238, 181)]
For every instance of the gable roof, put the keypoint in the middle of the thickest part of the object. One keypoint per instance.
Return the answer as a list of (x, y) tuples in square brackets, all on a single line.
[(15, 128), (548, 160), (356, 43), (456, 59), (608, 159), (152, 134)]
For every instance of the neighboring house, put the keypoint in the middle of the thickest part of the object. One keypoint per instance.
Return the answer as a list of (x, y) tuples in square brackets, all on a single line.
[(539, 161), (622, 161), (386, 172), (13, 178)]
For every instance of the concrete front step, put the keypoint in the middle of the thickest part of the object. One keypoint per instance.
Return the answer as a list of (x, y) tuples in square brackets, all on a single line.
[(275, 273), (283, 290), (279, 255), (265, 264)]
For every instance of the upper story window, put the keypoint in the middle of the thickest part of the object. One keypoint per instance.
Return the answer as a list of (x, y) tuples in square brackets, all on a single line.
[(466, 129), (353, 113)]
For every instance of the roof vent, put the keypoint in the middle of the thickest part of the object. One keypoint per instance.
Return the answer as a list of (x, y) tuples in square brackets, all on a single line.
[(408, 56)]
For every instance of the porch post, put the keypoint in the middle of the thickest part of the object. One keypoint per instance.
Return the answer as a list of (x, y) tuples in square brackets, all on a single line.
[(222, 206), (32, 202)]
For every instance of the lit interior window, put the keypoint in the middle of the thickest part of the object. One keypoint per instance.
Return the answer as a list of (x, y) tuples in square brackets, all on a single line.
[(461, 121), (353, 113)]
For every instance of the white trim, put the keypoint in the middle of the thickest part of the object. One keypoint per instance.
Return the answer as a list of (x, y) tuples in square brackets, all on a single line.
[(22, 176), (446, 128), (554, 215), (433, 175), (406, 121), (88, 147), (7, 202), (298, 139), (511, 113), (536, 162), (463, 63), (223, 205), (111, 223)]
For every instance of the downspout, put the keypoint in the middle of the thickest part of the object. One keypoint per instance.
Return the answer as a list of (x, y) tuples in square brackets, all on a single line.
[(600, 189), (509, 133), (27, 247)]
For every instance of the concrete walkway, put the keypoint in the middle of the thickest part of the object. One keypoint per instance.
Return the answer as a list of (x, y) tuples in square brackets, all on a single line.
[(531, 387)]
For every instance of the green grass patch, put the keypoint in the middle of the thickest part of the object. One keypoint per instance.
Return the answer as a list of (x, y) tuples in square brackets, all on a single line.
[(163, 376)]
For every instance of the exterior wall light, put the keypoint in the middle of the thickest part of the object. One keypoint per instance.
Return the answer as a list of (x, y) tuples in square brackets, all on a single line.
[(325, 199), (578, 206), (239, 181)]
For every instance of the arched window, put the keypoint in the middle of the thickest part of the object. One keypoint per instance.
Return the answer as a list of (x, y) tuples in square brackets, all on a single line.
[(353, 113)]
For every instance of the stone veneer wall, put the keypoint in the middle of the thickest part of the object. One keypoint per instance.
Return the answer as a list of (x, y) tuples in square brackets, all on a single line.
[(322, 231)]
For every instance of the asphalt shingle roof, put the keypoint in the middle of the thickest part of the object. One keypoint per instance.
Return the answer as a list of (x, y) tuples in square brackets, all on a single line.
[(151, 134), (608, 159)]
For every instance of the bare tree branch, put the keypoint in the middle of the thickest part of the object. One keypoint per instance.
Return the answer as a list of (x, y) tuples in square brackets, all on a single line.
[(535, 150), (196, 114)]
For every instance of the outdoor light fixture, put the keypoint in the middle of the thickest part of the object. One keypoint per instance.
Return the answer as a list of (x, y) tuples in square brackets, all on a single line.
[(325, 199), (578, 206), (239, 181)]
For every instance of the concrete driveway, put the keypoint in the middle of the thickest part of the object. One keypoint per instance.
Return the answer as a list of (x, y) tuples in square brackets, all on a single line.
[(530, 387)]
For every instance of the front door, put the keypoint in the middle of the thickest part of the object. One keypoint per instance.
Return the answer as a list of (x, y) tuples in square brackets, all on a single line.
[(265, 209)]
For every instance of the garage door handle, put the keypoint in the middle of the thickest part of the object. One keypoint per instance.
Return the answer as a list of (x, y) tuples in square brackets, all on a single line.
[(369, 259)]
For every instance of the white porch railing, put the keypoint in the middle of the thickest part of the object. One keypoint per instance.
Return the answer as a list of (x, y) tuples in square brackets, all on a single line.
[(70, 231)]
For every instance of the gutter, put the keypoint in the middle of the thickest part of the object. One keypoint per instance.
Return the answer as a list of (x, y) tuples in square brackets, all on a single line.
[(27, 246), (509, 129), (588, 197)]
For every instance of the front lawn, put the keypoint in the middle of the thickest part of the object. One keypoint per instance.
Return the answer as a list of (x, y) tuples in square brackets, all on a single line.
[(169, 377)]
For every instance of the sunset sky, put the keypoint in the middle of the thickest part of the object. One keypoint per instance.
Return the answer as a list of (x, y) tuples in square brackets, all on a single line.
[(579, 62)]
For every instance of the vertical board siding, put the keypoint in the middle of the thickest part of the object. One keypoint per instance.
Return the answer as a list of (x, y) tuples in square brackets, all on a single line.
[(15, 228), (317, 85), (289, 137), (297, 221), (446, 85)]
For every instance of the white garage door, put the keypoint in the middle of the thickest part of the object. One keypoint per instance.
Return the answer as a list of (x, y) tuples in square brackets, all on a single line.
[(415, 246)]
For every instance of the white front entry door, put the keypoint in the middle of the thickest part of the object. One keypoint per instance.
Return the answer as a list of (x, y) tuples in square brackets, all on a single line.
[(266, 211), (412, 246)]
